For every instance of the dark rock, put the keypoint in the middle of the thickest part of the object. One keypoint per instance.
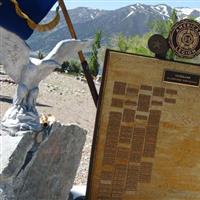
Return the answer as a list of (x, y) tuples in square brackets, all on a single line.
[(46, 170)]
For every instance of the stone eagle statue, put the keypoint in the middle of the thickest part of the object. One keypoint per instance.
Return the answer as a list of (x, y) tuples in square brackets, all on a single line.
[(27, 73)]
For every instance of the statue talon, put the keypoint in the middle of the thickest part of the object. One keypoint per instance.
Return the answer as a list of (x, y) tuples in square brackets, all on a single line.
[(27, 73), (21, 93), (31, 99)]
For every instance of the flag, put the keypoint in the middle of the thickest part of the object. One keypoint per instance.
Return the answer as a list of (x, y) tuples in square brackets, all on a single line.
[(36, 10)]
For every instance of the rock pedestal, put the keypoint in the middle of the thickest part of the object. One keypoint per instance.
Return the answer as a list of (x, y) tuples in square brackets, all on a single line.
[(43, 166)]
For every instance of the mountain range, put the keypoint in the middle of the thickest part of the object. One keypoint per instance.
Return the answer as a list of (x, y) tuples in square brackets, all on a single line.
[(129, 20)]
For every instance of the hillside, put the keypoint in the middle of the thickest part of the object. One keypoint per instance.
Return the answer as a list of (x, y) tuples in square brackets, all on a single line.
[(130, 20)]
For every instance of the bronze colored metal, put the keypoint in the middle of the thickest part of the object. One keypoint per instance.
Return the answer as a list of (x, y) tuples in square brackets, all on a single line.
[(158, 44), (81, 56), (147, 131), (184, 39)]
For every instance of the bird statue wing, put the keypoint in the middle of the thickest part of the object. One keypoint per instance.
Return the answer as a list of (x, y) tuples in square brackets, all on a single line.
[(43, 68), (63, 51), (67, 49), (14, 54)]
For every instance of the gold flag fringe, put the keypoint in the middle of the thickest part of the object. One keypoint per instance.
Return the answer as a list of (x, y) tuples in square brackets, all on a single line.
[(39, 27)]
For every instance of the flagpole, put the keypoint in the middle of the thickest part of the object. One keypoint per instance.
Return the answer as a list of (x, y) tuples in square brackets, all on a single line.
[(81, 56)]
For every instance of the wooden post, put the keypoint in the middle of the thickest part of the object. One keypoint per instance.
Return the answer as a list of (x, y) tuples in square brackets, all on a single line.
[(81, 56)]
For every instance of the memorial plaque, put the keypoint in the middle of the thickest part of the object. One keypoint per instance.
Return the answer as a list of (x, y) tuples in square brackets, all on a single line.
[(147, 136)]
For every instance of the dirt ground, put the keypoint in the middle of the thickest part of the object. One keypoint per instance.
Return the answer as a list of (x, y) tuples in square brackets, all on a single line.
[(69, 100)]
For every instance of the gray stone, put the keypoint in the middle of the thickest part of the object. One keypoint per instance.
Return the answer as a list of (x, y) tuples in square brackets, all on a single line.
[(50, 172)]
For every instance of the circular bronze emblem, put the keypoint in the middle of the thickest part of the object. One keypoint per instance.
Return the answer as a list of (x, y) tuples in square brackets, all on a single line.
[(184, 38), (158, 44)]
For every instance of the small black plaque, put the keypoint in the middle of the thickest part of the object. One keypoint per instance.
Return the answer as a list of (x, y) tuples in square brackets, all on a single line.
[(182, 78)]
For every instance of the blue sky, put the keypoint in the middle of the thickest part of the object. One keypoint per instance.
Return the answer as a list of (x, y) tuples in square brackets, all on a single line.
[(114, 4)]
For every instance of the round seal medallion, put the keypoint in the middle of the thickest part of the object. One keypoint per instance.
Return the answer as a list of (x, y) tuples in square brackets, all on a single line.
[(158, 44), (184, 39)]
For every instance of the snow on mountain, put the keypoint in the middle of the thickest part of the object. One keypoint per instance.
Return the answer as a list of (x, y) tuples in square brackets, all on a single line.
[(162, 9), (198, 19), (132, 11), (130, 14), (132, 7), (187, 11)]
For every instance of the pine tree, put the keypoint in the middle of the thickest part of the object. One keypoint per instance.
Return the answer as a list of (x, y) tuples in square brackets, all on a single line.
[(163, 27), (122, 43), (93, 60), (40, 55), (133, 44)]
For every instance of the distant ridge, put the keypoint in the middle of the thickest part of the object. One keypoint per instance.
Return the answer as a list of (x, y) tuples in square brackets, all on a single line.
[(130, 20)]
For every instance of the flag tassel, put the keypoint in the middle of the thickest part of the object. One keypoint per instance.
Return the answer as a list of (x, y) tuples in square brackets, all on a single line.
[(34, 26)]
